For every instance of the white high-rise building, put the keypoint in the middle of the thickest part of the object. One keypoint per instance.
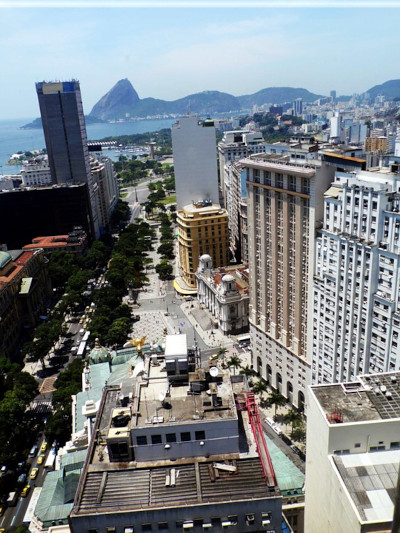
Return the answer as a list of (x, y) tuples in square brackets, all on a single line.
[(195, 161), (357, 278), (284, 207), (336, 126)]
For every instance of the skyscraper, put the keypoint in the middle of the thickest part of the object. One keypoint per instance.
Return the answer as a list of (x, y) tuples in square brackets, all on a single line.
[(65, 135), (284, 205), (195, 160)]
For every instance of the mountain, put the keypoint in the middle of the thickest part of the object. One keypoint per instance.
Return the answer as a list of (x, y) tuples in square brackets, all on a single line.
[(36, 124), (122, 101), (390, 89), (277, 95), (119, 100)]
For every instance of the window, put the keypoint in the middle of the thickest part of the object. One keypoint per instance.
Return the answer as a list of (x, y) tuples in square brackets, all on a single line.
[(141, 440), (185, 436), (147, 527), (200, 435), (128, 529), (163, 526), (111, 530), (170, 437), (156, 439)]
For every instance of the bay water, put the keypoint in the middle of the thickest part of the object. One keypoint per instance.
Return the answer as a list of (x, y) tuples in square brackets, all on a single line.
[(14, 139)]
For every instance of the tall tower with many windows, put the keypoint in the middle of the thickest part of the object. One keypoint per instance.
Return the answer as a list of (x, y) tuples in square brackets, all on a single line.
[(65, 135), (284, 206), (357, 283)]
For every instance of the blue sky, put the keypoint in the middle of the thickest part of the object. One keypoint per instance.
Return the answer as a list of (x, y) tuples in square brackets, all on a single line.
[(171, 52)]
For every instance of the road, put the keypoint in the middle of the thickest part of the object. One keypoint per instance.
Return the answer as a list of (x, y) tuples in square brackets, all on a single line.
[(136, 196)]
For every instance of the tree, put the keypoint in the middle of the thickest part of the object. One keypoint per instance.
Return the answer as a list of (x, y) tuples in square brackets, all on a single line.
[(164, 270), (234, 362), (167, 250), (275, 398), (247, 371), (221, 354), (260, 387), (293, 418)]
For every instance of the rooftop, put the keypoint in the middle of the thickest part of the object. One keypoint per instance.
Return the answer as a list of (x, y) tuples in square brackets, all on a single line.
[(371, 397), (370, 479)]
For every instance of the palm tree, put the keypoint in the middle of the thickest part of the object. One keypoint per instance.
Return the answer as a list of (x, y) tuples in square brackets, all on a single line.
[(247, 371), (260, 387), (234, 361), (293, 418), (276, 399), (221, 354)]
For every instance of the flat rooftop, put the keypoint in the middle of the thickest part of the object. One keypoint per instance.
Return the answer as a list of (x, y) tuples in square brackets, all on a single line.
[(371, 397), (370, 480), (139, 488)]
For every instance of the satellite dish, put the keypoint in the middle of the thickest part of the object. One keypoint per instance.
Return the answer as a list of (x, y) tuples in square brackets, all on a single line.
[(214, 371)]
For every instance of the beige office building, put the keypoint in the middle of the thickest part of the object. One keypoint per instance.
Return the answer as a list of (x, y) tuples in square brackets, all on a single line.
[(202, 229), (284, 207)]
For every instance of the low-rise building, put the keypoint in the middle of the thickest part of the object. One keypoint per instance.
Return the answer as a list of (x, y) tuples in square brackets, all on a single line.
[(75, 242), (174, 451), (24, 292), (225, 293)]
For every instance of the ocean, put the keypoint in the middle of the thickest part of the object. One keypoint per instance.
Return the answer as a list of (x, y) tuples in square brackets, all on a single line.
[(13, 139)]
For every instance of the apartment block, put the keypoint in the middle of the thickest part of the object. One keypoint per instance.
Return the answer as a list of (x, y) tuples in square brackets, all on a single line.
[(284, 207), (356, 285)]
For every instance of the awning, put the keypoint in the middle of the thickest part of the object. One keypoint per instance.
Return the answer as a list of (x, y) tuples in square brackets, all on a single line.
[(181, 290)]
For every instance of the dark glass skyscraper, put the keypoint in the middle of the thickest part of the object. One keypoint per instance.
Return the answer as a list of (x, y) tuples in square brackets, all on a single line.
[(65, 135)]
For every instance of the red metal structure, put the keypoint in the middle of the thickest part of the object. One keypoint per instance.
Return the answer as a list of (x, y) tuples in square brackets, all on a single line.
[(258, 433)]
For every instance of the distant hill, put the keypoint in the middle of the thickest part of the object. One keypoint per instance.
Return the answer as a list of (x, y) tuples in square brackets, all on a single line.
[(277, 95), (390, 89), (37, 123), (123, 100)]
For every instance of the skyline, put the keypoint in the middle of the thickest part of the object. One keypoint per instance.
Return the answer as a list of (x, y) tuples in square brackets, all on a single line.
[(169, 53)]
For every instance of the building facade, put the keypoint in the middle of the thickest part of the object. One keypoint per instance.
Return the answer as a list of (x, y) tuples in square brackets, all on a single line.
[(66, 140), (47, 210), (76, 242), (356, 283), (202, 229), (195, 160), (36, 173), (24, 292), (225, 293), (284, 207)]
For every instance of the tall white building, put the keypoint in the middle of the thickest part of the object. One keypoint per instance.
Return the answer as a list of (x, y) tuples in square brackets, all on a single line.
[(284, 207), (357, 281), (195, 160), (353, 455), (234, 146)]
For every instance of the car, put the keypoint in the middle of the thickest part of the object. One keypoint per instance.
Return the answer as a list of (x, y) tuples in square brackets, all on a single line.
[(43, 447), (3, 470), (40, 459), (21, 479), (2, 511), (34, 473), (25, 491), (34, 451)]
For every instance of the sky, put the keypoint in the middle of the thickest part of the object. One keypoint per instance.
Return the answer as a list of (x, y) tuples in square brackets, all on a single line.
[(170, 52)]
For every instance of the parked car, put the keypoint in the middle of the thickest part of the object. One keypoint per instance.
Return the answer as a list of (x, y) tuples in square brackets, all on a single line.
[(34, 451), (43, 447), (21, 479), (3, 470)]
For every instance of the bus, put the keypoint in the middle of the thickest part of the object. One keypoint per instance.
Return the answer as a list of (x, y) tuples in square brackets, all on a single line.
[(86, 336), (81, 349), (51, 458), (243, 339)]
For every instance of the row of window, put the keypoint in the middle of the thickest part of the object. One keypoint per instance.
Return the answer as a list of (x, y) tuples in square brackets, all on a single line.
[(185, 436), (217, 522)]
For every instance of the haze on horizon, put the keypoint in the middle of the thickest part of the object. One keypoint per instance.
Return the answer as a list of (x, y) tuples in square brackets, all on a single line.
[(169, 53)]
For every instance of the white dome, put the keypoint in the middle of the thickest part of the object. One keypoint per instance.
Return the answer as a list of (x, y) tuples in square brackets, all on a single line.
[(205, 257), (227, 278)]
